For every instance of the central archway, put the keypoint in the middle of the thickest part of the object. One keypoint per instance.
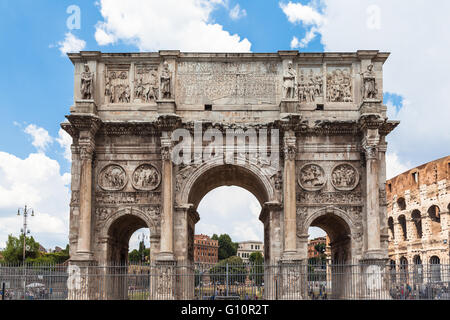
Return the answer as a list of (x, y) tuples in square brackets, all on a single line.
[(212, 175), (200, 180)]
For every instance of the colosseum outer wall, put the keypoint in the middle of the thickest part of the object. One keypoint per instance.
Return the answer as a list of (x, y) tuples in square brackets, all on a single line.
[(418, 214)]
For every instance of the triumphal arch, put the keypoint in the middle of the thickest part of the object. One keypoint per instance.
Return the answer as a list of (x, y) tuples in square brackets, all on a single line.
[(154, 132)]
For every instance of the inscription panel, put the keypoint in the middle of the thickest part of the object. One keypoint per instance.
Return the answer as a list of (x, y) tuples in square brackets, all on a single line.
[(227, 83)]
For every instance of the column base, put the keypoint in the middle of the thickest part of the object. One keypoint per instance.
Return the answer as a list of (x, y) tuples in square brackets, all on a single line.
[(376, 277), (163, 284), (292, 278), (166, 106), (289, 106), (84, 106), (83, 256)]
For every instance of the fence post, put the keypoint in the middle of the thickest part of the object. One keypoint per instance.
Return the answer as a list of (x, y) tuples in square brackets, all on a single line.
[(3, 291), (227, 280)]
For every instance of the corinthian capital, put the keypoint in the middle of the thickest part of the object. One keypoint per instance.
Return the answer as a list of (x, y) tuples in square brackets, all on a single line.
[(290, 146), (166, 146), (371, 151), (87, 151)]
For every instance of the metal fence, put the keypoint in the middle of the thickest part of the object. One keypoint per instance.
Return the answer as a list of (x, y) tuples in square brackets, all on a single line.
[(225, 281)]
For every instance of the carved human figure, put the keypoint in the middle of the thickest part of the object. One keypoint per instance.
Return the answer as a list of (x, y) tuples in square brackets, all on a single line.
[(369, 85), (310, 86), (289, 81), (112, 178), (165, 82), (344, 177), (87, 83), (339, 86), (312, 177), (146, 177)]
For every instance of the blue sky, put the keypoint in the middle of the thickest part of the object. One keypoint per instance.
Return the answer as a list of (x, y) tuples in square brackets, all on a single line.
[(37, 78)]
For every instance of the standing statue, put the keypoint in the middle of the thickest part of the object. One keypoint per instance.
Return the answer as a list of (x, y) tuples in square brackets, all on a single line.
[(86, 83), (369, 86), (165, 82), (289, 82)]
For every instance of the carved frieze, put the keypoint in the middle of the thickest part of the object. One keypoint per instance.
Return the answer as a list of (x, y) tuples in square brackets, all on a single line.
[(344, 177), (139, 197), (311, 177), (310, 85), (339, 84), (75, 198), (146, 88), (352, 197), (146, 177), (112, 178), (117, 84)]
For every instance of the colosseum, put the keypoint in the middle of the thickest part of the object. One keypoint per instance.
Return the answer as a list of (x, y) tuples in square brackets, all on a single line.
[(418, 218)]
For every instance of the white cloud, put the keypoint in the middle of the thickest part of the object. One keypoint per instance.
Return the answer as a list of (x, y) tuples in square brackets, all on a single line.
[(394, 166), (309, 36), (37, 182), (71, 44), (65, 141), (41, 138), (417, 69), (237, 13), (232, 210), (171, 24), (298, 13)]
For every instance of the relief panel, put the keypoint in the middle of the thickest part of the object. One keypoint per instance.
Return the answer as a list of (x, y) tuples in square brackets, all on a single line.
[(339, 84)]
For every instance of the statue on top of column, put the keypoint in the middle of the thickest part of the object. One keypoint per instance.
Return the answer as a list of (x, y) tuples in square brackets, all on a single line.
[(87, 83), (369, 86), (165, 82), (289, 81)]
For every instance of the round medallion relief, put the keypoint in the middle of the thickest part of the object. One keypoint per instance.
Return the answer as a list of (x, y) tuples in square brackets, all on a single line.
[(146, 177), (311, 177), (344, 177), (112, 178)]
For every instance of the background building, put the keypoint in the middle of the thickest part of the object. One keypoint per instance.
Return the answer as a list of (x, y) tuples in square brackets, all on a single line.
[(206, 250), (312, 252), (246, 248), (418, 215)]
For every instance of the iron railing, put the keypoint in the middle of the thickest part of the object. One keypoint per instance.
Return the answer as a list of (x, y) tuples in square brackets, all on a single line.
[(220, 281)]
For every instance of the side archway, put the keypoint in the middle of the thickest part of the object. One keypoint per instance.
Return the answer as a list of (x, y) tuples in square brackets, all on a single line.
[(119, 227), (340, 228)]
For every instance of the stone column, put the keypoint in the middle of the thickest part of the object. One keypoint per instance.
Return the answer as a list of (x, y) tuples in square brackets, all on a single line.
[(370, 145), (166, 252), (271, 218), (374, 258), (84, 228), (290, 224), (184, 225)]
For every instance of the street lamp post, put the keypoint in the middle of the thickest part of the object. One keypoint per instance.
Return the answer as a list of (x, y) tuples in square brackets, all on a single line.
[(25, 231)]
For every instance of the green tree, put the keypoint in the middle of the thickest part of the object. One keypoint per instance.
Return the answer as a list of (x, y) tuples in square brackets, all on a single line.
[(237, 272), (257, 268), (13, 252), (136, 255), (227, 248)]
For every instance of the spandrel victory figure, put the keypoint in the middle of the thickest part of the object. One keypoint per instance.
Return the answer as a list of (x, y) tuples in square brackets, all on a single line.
[(87, 83)]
